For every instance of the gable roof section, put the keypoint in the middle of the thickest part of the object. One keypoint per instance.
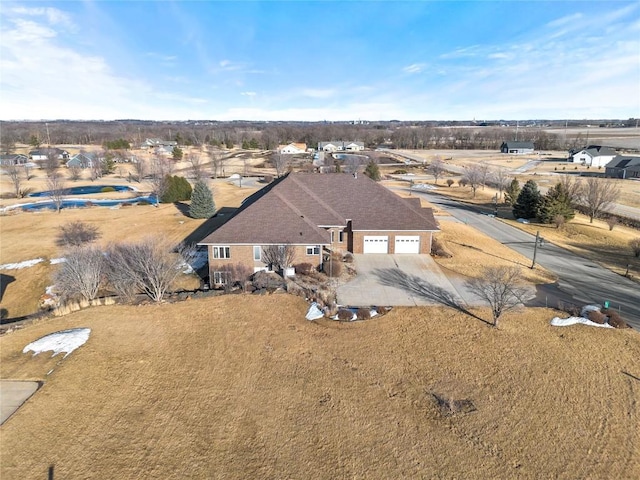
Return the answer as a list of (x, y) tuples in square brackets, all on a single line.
[(293, 208), (265, 218), (518, 144), (623, 161)]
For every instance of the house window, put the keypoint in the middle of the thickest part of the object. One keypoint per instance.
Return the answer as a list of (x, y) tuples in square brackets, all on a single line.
[(257, 253), (341, 236), (313, 250), (219, 278), (221, 252), (333, 236)]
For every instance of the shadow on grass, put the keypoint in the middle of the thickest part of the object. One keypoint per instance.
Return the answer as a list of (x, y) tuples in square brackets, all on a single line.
[(394, 277), (4, 281), (490, 254), (209, 225)]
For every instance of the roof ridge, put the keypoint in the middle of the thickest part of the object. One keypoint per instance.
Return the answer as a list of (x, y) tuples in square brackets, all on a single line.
[(296, 210), (309, 192)]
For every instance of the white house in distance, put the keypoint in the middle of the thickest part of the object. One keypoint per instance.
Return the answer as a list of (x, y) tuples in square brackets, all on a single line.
[(340, 146), (517, 148), (592, 156), (292, 148)]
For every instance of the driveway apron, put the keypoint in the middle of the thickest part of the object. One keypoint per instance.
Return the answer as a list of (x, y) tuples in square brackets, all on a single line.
[(397, 280)]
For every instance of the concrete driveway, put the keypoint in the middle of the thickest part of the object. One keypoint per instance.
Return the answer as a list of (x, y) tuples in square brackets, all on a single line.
[(13, 393), (398, 280)]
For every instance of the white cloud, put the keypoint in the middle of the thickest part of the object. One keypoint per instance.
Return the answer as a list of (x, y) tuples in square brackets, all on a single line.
[(318, 92), (248, 94), (414, 68), (53, 15)]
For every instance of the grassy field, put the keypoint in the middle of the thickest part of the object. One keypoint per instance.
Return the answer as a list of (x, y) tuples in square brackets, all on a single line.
[(30, 235), (243, 387)]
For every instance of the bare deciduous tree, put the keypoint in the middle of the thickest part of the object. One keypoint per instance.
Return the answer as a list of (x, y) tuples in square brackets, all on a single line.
[(75, 172), (474, 175), (572, 186), (140, 169), (278, 256), (27, 171), (485, 173), (76, 234), (56, 190), (161, 167), (635, 246), (217, 162), (81, 274), (612, 222), (15, 175), (51, 163), (280, 163), (436, 168), (149, 266), (198, 169), (597, 195), (501, 180), (501, 288)]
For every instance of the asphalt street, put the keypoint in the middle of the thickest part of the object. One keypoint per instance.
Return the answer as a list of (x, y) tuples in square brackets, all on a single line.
[(579, 280)]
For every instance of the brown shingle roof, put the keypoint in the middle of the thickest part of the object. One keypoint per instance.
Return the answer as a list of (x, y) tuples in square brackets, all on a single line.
[(292, 209)]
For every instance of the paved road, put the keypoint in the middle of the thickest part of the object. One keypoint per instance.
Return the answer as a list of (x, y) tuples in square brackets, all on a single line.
[(617, 208), (582, 280)]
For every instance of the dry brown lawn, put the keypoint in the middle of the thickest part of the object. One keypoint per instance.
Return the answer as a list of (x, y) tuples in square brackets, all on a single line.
[(30, 235), (472, 252), (243, 387)]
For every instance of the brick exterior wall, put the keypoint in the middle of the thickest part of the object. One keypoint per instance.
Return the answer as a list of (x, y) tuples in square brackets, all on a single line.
[(425, 240), (243, 254)]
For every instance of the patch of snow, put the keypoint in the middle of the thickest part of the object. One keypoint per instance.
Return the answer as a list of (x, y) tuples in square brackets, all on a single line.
[(55, 261), (314, 312), (64, 341), (424, 186), (565, 322), (20, 265), (50, 290)]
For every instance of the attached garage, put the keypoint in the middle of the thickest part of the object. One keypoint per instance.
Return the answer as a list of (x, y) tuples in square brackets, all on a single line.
[(407, 244), (376, 244)]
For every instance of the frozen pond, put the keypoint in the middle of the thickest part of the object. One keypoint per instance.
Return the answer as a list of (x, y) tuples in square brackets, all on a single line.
[(88, 189)]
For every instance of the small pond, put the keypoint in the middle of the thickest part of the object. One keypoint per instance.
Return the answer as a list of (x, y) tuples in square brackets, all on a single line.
[(88, 189), (149, 199)]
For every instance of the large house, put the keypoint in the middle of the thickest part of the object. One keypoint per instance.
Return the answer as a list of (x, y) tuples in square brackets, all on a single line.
[(43, 154), (623, 166), (517, 148), (10, 159), (292, 148), (311, 212), (340, 146), (83, 160), (592, 156), (157, 143)]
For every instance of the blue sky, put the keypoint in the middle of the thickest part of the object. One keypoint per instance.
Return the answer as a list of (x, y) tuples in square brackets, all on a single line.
[(348, 60)]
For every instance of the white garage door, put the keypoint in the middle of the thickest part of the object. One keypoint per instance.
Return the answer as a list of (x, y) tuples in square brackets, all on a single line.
[(407, 244), (376, 244)]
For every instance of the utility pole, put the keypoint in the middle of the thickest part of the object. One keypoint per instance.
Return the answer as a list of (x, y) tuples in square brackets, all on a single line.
[(540, 240)]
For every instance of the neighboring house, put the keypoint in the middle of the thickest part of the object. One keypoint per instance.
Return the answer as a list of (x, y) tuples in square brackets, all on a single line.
[(592, 156), (312, 211), (292, 148), (43, 154), (340, 146), (165, 150), (157, 142), (82, 160), (623, 166), (13, 159), (517, 148)]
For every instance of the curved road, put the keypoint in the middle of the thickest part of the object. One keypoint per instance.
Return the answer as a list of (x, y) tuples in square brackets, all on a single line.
[(579, 280)]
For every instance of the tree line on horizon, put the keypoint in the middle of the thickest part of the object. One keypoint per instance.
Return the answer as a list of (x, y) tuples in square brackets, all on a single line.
[(268, 135)]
